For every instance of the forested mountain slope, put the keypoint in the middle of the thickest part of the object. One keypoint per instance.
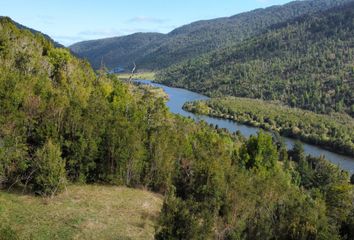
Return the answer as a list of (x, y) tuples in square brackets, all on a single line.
[(306, 63), (56, 44), (62, 123), (118, 51), (194, 39)]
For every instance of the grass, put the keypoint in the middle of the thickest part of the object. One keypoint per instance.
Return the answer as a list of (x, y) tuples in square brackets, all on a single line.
[(140, 76), (80, 212), (154, 91)]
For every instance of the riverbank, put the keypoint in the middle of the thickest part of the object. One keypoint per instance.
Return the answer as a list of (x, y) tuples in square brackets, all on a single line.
[(333, 132), (178, 97)]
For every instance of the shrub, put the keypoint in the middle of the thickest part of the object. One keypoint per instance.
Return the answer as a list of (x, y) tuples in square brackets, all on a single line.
[(50, 169)]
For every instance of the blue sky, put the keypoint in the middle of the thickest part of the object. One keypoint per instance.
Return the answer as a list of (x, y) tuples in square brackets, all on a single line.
[(69, 21)]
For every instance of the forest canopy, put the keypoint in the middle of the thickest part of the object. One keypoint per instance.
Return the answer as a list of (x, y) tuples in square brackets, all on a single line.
[(62, 123), (305, 63), (334, 131)]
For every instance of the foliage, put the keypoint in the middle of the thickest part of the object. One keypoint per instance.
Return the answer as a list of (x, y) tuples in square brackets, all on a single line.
[(49, 167), (35, 32), (259, 152), (334, 131), (61, 120), (304, 63), (118, 51), (156, 51)]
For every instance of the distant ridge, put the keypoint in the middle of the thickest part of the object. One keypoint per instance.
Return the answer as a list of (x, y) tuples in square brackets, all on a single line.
[(306, 62), (156, 51)]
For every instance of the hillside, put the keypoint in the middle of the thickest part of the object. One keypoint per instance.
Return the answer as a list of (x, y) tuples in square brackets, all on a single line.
[(56, 44), (118, 51), (305, 63), (194, 39), (62, 124), (81, 212)]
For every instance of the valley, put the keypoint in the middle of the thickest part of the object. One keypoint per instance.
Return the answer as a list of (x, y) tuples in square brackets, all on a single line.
[(231, 128), (305, 63), (243, 116)]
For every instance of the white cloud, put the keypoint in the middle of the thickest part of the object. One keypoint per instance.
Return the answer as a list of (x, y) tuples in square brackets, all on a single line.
[(146, 19), (100, 32)]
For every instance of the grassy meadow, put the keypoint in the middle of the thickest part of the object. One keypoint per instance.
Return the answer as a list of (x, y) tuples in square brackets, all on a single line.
[(140, 76), (80, 212)]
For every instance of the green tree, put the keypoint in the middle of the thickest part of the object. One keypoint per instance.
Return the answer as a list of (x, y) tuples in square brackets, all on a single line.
[(298, 152), (49, 167), (339, 199), (259, 152), (177, 221), (14, 160)]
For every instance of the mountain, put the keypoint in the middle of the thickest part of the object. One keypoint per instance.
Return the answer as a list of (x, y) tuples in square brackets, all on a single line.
[(306, 63), (118, 51), (19, 26), (194, 39), (61, 123)]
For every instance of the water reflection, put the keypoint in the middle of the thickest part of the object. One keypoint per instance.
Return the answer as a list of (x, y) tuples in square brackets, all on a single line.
[(179, 96)]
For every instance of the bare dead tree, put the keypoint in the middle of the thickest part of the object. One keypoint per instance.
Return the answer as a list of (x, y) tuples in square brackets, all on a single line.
[(132, 73), (28, 178)]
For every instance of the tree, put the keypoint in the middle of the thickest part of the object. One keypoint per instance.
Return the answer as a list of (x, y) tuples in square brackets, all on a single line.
[(13, 160), (339, 200), (298, 152), (259, 152), (49, 167), (177, 221)]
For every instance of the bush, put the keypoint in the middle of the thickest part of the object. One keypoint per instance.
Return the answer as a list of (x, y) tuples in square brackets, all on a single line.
[(13, 160), (49, 170)]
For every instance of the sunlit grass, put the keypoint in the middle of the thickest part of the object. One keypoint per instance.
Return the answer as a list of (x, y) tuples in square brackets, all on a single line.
[(81, 212), (140, 76)]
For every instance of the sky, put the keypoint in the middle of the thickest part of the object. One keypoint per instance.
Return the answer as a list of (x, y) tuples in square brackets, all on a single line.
[(70, 21)]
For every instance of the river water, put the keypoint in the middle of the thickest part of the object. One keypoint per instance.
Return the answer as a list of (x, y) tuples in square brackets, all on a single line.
[(178, 96)]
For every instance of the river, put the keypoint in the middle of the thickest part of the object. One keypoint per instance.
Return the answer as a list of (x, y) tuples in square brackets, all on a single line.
[(178, 96)]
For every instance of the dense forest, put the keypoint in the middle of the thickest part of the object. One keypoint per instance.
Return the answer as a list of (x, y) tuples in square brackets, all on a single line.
[(334, 131), (118, 51), (20, 26), (156, 51), (62, 123), (305, 63)]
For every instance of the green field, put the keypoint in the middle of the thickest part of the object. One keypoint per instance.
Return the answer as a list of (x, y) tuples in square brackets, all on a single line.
[(142, 76), (80, 212)]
